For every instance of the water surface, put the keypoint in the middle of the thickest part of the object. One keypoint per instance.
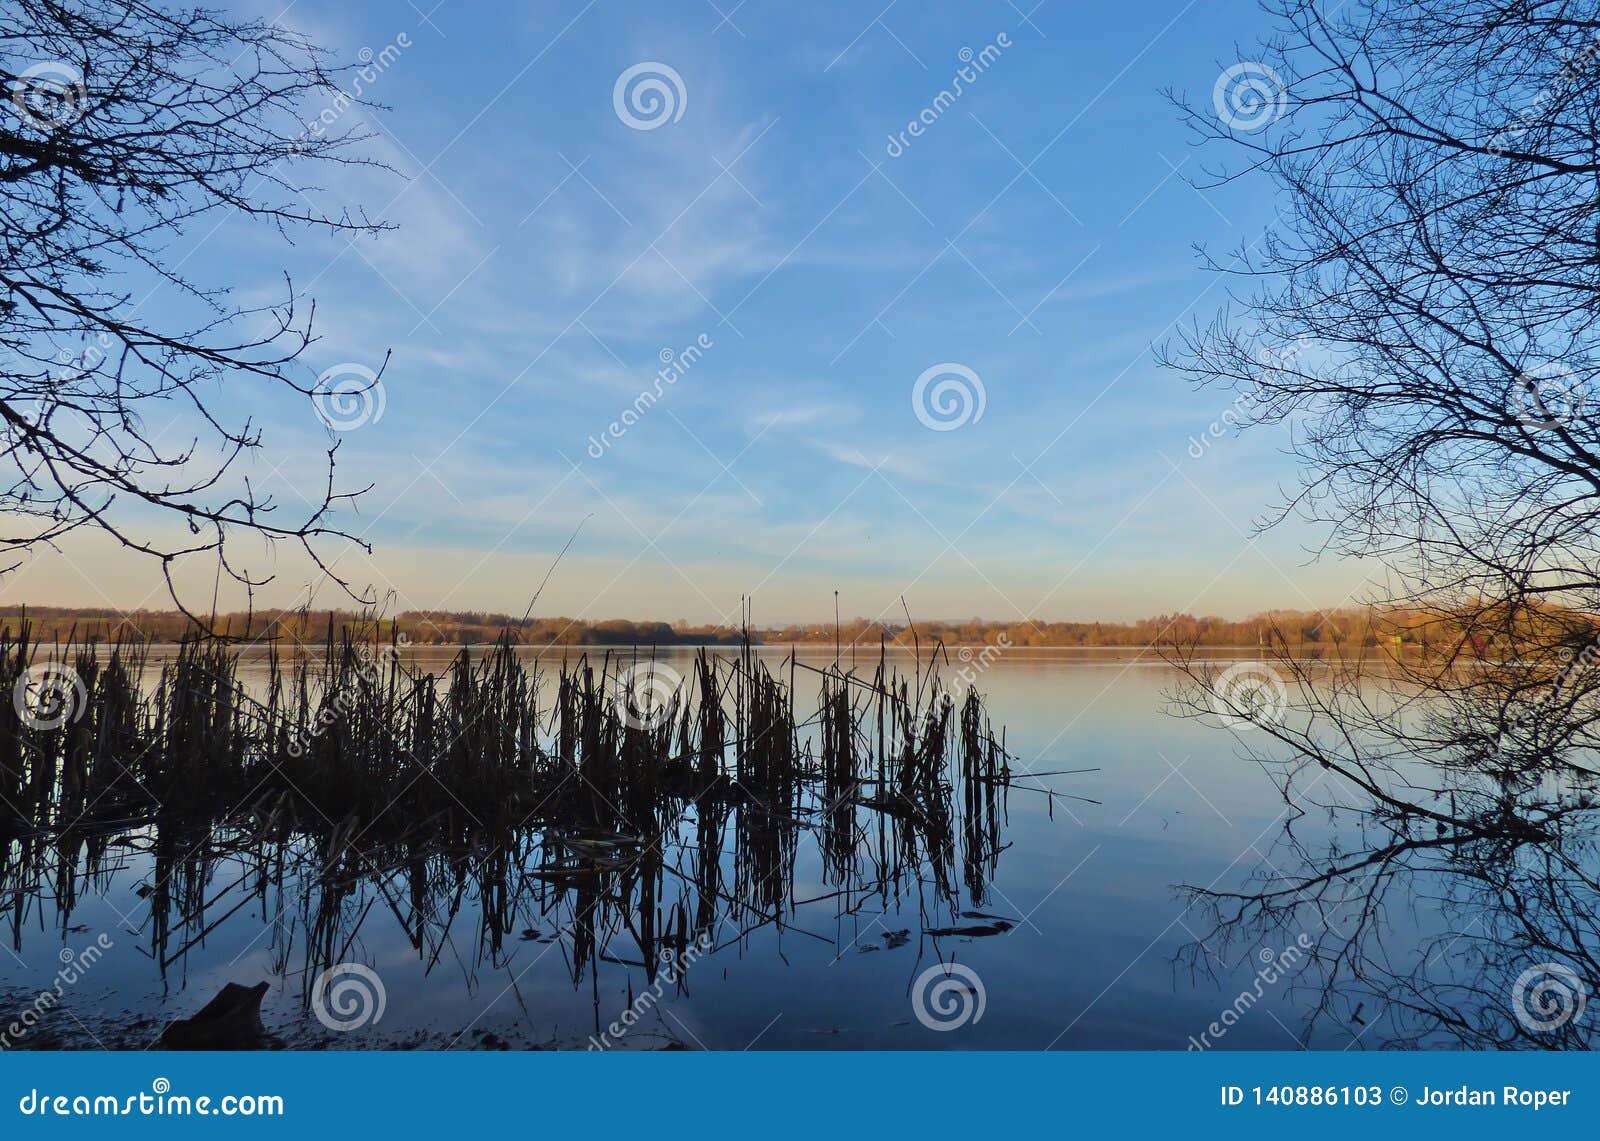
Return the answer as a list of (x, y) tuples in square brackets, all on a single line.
[(1070, 930)]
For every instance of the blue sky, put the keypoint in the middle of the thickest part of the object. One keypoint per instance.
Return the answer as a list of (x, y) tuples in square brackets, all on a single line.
[(546, 253)]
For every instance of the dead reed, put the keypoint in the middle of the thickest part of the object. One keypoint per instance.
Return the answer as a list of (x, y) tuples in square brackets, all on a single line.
[(593, 794)]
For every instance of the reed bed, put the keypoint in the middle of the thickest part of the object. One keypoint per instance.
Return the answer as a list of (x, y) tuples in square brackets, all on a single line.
[(358, 735), (588, 796)]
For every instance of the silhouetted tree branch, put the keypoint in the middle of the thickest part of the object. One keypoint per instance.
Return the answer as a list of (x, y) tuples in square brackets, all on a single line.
[(124, 127), (1423, 318)]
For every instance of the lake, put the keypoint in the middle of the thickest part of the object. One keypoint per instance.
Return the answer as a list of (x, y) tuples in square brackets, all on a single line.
[(1042, 922)]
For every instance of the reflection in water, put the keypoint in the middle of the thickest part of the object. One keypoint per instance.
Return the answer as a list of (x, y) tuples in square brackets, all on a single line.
[(1450, 892), (639, 815), (535, 883), (1424, 938)]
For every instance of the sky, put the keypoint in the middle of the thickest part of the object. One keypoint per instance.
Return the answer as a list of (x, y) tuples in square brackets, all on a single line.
[(922, 365)]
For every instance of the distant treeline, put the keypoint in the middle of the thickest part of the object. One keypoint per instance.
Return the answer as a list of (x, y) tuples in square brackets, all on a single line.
[(1349, 627)]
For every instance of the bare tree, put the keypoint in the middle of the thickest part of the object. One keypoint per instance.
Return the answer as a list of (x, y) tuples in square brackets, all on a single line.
[(125, 130), (1438, 251), (1423, 318)]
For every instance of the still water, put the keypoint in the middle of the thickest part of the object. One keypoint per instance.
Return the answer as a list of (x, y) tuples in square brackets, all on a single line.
[(1067, 928)]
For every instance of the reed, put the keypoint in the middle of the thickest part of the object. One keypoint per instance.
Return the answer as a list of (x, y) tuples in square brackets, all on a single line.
[(608, 790)]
